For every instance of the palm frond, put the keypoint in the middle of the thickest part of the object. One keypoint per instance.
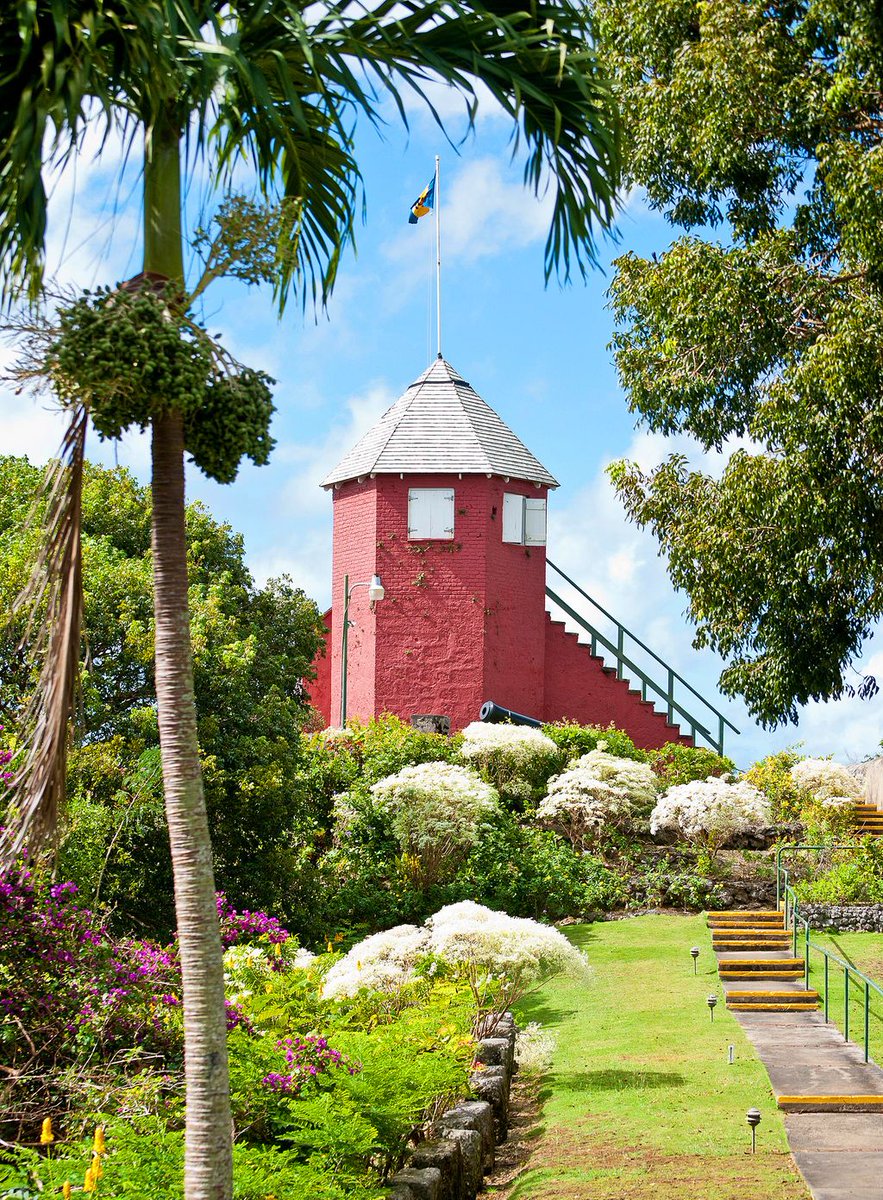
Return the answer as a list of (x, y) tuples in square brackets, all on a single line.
[(53, 602)]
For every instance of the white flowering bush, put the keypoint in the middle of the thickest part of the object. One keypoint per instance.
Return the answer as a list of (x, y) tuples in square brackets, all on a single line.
[(500, 957), (710, 811), (829, 782), (598, 791), (534, 1048), (833, 794), (436, 811), (383, 962), (516, 759)]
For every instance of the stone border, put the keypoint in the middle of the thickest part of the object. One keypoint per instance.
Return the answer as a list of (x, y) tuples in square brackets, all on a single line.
[(850, 918), (452, 1162)]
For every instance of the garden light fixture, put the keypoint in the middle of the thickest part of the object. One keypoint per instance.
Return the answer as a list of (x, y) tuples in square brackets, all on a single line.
[(695, 953), (753, 1119), (376, 592), (711, 1001)]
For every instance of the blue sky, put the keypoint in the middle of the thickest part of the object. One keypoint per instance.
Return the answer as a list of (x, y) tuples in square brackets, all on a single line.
[(536, 354)]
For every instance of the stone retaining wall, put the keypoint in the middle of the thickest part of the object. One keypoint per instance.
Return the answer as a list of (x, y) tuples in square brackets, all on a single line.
[(850, 918), (450, 1165)]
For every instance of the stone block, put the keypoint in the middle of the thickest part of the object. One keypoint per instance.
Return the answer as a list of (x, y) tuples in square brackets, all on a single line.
[(423, 1183), (492, 1086), (445, 1156), (399, 1191), (469, 1141), (476, 1115), (496, 1052)]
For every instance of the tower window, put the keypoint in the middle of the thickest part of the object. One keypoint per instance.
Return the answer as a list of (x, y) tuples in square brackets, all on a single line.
[(524, 520), (431, 513)]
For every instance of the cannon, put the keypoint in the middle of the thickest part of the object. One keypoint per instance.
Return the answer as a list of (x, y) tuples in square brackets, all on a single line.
[(494, 713)]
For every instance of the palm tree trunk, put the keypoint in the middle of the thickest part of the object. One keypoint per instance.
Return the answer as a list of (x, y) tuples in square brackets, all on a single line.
[(208, 1168)]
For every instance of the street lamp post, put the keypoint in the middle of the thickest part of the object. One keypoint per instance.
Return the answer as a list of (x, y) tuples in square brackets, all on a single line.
[(375, 593)]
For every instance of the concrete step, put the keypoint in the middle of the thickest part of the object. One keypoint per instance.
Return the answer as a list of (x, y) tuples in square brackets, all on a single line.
[(776, 996), (741, 932), (855, 1104), (744, 914), (724, 944), (774, 921)]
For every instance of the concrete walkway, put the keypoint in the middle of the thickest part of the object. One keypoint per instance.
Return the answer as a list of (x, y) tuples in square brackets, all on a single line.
[(839, 1154)]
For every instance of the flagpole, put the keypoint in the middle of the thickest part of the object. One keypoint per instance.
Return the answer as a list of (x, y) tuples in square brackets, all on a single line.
[(437, 258)]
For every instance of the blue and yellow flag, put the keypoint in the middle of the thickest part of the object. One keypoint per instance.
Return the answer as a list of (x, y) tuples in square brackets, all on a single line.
[(424, 203)]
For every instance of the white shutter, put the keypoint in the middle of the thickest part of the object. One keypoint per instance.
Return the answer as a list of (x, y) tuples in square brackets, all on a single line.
[(430, 513), (534, 522), (513, 518), (442, 520)]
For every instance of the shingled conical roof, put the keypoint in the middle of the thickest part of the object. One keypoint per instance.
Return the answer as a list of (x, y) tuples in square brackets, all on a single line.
[(440, 426)]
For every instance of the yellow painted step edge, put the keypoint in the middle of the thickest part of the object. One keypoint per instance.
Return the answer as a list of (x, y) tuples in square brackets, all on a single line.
[(770, 995), (745, 912), (768, 1007), (780, 964), (870, 1101)]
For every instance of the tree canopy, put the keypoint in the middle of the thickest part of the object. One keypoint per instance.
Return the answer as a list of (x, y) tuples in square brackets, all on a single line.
[(252, 647), (762, 122)]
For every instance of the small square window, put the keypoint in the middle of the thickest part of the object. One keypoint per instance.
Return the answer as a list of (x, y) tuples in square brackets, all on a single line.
[(524, 520), (431, 514)]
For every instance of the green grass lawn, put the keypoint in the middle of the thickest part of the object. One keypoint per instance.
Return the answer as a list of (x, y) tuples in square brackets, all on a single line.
[(865, 951), (641, 1102)]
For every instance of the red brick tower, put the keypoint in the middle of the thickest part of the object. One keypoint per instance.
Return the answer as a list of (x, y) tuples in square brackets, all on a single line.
[(444, 503)]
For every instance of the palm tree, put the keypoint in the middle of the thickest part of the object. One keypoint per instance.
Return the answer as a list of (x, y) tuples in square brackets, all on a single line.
[(281, 83)]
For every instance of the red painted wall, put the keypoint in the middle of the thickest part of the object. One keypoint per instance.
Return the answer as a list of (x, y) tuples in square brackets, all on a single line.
[(319, 689), (579, 688), (355, 554)]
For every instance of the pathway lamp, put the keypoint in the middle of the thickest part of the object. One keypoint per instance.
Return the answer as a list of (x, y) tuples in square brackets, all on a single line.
[(375, 592), (753, 1119), (711, 1002), (695, 954)]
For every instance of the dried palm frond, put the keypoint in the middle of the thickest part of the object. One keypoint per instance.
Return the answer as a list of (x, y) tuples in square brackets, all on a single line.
[(53, 602)]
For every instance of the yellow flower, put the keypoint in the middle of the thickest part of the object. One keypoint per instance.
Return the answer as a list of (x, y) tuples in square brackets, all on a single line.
[(66, 1189), (98, 1145), (330, 948), (89, 1181), (277, 949), (47, 1137)]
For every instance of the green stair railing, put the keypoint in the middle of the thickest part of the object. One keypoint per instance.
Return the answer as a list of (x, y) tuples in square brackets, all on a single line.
[(625, 640), (786, 898)]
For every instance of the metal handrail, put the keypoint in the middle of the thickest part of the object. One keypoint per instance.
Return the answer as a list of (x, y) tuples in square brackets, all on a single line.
[(666, 694), (786, 893)]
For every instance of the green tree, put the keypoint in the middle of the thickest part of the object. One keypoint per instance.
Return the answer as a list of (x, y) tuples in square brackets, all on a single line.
[(252, 649), (763, 120), (278, 84)]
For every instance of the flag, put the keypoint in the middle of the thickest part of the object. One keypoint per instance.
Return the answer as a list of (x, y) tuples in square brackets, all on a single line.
[(424, 203)]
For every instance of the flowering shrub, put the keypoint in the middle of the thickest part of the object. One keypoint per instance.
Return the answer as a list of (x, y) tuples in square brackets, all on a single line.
[(436, 811), (599, 791), (709, 812), (307, 1058), (829, 782), (773, 776), (831, 794), (573, 740), (246, 926), (499, 957), (382, 962), (534, 1048), (5, 760), (514, 758)]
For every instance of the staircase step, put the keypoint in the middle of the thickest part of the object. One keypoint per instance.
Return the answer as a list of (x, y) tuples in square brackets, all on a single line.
[(780, 996), (743, 914), (772, 933), (725, 944), (856, 1104)]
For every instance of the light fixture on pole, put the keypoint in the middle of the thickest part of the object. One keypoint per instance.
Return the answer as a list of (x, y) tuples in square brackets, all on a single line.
[(711, 1002), (375, 592), (753, 1119), (695, 954)]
